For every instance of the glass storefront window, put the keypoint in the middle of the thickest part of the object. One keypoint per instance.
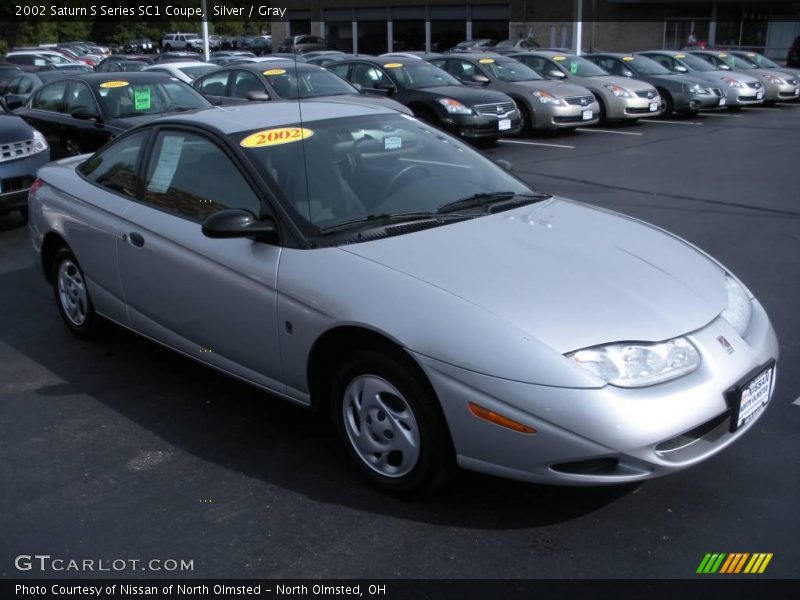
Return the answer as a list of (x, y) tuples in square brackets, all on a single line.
[(372, 37), (446, 34), (339, 35), (493, 30), (409, 35)]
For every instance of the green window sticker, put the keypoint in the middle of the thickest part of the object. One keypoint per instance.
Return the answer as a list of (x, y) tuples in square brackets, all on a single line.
[(573, 67), (141, 98)]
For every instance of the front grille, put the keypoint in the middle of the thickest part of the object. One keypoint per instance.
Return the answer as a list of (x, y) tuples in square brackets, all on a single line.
[(15, 184), (640, 111), (786, 94), (756, 85), (650, 94), (690, 437), (579, 100), (496, 109), (15, 150), (716, 91)]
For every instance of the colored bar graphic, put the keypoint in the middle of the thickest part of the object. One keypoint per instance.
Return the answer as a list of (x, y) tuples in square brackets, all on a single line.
[(711, 563)]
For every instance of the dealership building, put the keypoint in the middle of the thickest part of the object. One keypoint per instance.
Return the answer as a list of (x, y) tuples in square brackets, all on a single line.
[(376, 26)]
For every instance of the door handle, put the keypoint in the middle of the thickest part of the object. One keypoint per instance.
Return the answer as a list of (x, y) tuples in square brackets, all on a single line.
[(136, 239)]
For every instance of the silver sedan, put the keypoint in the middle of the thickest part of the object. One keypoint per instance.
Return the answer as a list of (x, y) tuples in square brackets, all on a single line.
[(358, 261)]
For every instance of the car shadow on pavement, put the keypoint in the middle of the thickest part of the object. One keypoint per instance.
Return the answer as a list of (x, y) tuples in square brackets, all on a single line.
[(235, 426), (10, 222)]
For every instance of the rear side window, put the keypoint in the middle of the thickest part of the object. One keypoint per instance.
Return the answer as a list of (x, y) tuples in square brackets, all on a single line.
[(214, 85), (116, 166), (340, 70), (50, 97)]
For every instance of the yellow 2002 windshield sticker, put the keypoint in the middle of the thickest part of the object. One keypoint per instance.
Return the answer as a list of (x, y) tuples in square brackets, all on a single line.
[(393, 65), (627, 58), (113, 84), (274, 137), (559, 58), (486, 61), (680, 56), (275, 72)]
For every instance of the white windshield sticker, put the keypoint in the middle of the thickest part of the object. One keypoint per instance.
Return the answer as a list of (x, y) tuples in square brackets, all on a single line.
[(392, 143), (167, 164)]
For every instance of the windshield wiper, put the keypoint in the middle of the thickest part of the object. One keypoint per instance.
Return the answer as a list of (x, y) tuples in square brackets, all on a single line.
[(390, 217), (486, 198)]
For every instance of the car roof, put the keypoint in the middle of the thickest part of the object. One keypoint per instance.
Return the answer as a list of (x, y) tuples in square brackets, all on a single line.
[(259, 67), (177, 64), (229, 120), (545, 53), (476, 55), (379, 60), (132, 77)]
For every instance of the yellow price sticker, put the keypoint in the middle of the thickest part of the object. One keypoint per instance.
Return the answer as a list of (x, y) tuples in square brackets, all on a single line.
[(113, 84), (275, 72), (486, 61), (559, 58), (275, 137), (722, 55), (393, 65), (680, 56), (628, 58)]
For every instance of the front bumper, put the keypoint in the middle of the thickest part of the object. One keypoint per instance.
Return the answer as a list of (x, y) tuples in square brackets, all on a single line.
[(562, 117), (16, 177), (604, 435), (633, 108), (475, 127), (694, 101)]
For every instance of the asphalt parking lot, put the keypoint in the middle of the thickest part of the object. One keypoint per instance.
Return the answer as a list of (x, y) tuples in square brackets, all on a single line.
[(121, 449)]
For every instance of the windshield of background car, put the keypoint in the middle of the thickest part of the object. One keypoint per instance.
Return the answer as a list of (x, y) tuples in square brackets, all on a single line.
[(121, 98), (736, 62), (307, 83), (509, 70), (641, 65), (762, 61), (419, 74), (697, 64), (369, 165), (577, 66), (196, 71)]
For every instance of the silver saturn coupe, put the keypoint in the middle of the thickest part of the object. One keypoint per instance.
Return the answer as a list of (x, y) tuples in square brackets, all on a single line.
[(358, 261)]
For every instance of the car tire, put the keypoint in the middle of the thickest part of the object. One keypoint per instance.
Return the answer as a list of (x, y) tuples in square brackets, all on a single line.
[(72, 295), (526, 118), (669, 105), (390, 423), (601, 104)]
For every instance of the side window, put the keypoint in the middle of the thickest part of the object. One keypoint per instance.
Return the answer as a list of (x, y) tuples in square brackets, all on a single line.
[(536, 63), (80, 99), (368, 76), (115, 167), (50, 97), (15, 86), (464, 69), (245, 82), (612, 66), (340, 70), (215, 84), (192, 177), (664, 61)]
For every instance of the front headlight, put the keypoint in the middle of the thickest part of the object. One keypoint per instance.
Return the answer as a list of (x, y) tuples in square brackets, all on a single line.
[(454, 106), (39, 142), (732, 82), (739, 309), (774, 80), (694, 88), (547, 98), (619, 92), (639, 364)]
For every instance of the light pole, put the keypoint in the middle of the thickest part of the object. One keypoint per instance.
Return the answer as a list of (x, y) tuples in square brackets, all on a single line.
[(205, 30), (577, 26)]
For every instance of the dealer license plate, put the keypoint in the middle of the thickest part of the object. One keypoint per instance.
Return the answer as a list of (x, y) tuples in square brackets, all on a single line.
[(722, 101), (653, 106), (754, 397), (759, 95), (504, 124), (587, 115)]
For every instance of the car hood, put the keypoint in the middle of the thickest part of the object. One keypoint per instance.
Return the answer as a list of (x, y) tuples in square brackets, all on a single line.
[(368, 100), (625, 82), (464, 93), (559, 89), (14, 129), (719, 75), (570, 275)]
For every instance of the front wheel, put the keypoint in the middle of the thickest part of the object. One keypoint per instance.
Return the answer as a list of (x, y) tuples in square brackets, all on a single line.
[(72, 295), (390, 423)]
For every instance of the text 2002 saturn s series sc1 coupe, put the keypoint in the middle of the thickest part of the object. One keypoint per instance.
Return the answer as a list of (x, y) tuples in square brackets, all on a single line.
[(440, 309)]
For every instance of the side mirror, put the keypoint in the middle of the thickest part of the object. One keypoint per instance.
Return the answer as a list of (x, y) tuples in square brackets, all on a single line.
[(84, 114), (505, 164), (358, 87), (556, 74), (478, 78), (724, 67), (627, 73), (258, 96), (13, 101), (680, 69), (386, 88), (237, 223)]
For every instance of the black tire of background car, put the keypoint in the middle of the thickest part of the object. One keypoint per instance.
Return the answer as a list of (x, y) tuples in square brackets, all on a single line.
[(436, 463), (526, 118), (601, 104), (668, 104), (91, 326)]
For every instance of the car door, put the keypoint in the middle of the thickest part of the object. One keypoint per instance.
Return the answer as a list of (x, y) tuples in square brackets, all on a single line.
[(44, 114), (370, 78), (212, 299), (82, 133)]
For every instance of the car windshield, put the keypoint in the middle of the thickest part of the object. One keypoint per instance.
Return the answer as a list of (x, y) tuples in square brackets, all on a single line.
[(694, 63), (307, 83), (641, 65), (577, 66), (509, 70), (419, 74), (762, 61), (196, 71), (736, 62), (122, 98), (373, 165)]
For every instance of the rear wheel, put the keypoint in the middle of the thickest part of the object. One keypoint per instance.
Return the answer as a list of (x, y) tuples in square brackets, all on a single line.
[(72, 295), (390, 422)]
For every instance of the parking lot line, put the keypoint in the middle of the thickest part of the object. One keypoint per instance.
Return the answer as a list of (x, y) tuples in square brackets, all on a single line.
[(607, 131), (726, 116), (760, 108), (535, 144), (670, 122)]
